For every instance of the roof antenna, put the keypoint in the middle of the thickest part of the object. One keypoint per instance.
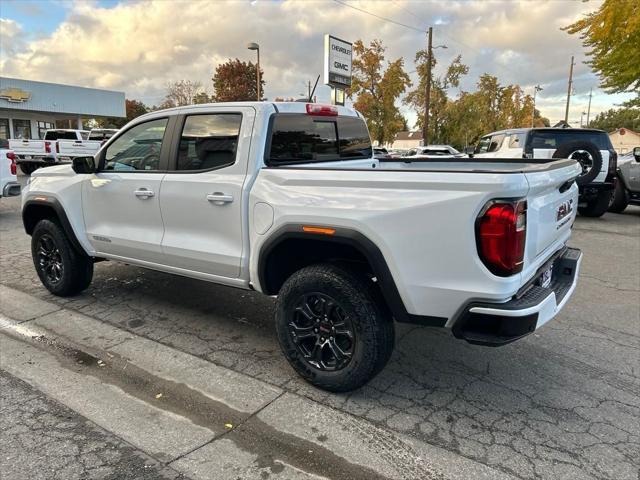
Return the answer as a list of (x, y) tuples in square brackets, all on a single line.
[(314, 90)]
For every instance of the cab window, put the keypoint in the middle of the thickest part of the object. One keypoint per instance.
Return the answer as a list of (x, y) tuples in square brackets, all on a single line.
[(138, 148), (300, 138), (209, 141)]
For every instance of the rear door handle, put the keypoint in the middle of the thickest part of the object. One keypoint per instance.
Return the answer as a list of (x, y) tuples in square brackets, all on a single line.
[(219, 198), (143, 193)]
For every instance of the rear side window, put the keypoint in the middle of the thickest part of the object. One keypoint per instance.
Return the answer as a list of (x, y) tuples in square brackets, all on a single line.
[(553, 139), (516, 140), (209, 141), (300, 138)]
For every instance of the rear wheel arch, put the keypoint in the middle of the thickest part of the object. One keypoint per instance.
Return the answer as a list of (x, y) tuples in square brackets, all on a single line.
[(290, 249)]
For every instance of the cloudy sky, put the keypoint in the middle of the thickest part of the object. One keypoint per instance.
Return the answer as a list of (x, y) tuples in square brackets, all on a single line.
[(139, 46)]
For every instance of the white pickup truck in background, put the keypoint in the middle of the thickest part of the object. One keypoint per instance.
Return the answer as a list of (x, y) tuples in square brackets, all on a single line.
[(287, 199), (57, 146), (9, 186)]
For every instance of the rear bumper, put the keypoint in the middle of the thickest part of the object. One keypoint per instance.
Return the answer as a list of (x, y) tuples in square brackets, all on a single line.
[(11, 189), (39, 159), (492, 324)]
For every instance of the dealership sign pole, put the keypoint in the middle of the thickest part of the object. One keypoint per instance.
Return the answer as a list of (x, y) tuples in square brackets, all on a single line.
[(337, 67)]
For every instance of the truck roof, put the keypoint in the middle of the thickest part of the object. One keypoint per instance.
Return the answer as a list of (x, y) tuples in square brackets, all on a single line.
[(268, 107)]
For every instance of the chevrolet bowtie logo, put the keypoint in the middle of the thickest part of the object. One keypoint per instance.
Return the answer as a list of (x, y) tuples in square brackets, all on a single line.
[(14, 95)]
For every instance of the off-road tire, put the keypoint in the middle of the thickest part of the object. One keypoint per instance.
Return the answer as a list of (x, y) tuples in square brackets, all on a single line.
[(77, 268), (567, 149), (28, 168), (598, 206), (360, 300), (620, 198)]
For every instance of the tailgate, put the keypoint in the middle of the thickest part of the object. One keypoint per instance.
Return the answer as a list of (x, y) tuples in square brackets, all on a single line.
[(27, 147), (552, 202)]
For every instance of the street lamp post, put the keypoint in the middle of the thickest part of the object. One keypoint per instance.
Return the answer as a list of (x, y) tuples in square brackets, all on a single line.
[(256, 47), (536, 89)]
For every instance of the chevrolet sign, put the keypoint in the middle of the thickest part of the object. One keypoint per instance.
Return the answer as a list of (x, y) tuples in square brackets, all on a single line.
[(337, 62), (14, 95)]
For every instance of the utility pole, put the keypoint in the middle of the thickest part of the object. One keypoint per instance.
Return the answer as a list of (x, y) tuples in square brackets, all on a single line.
[(425, 125), (589, 108), (566, 112), (536, 89)]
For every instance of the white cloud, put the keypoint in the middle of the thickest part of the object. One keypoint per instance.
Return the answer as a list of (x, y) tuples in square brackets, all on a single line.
[(139, 46), (10, 39)]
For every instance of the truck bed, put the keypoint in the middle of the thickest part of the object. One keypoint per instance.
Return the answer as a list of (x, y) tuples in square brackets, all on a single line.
[(461, 165)]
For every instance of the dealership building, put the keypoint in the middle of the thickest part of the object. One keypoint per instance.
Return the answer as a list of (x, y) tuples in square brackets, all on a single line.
[(28, 108)]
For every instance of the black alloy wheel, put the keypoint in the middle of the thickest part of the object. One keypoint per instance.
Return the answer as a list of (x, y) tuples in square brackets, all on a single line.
[(62, 269), (333, 326), (49, 259), (322, 332)]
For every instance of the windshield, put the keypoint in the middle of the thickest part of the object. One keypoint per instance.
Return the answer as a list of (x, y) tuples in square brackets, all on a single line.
[(300, 138)]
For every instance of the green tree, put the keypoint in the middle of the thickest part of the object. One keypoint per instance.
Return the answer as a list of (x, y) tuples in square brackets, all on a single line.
[(438, 102), (613, 35), (617, 118), (235, 81), (377, 89)]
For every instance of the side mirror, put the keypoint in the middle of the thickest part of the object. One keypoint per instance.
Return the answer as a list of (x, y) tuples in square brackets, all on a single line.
[(636, 153), (469, 150), (84, 165)]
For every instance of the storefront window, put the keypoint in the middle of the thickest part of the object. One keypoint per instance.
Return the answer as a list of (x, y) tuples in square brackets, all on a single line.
[(43, 127), (4, 128), (21, 128)]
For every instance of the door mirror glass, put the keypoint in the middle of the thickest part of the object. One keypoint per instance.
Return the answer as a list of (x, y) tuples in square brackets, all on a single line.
[(636, 153), (84, 165)]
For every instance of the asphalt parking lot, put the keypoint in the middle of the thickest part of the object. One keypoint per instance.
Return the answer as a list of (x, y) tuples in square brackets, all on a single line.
[(563, 403)]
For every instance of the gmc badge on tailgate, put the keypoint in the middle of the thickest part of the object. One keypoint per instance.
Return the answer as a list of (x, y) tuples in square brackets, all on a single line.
[(564, 209)]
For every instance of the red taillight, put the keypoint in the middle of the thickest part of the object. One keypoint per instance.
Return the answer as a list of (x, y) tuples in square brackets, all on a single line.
[(501, 234), (323, 110), (12, 156), (47, 147)]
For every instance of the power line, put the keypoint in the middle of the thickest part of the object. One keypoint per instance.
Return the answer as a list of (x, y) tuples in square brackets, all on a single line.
[(395, 22), (380, 17)]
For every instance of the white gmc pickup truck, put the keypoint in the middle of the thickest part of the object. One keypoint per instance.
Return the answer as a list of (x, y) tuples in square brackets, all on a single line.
[(287, 199)]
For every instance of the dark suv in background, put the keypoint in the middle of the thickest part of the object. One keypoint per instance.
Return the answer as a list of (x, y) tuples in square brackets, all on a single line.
[(592, 148)]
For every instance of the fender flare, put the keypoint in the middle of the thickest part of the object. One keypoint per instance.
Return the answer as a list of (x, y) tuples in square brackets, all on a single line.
[(367, 248), (55, 205)]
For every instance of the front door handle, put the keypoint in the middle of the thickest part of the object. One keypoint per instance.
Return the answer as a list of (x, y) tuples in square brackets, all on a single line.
[(143, 193), (219, 198)]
